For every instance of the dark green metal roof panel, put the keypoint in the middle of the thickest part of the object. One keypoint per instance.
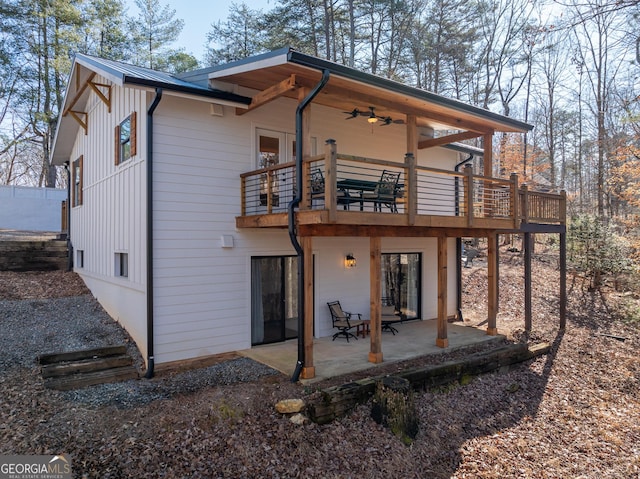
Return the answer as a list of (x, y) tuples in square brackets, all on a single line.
[(134, 75)]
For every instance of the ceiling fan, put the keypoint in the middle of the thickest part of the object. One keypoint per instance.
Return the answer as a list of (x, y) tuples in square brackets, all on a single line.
[(371, 116)]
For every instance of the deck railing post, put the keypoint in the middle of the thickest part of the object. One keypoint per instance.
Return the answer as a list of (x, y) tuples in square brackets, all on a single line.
[(411, 181), (269, 191), (514, 200), (331, 178), (525, 203), (468, 193), (243, 195), (562, 214), (305, 204)]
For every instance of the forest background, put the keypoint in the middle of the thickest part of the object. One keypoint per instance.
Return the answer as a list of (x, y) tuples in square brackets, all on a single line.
[(570, 68)]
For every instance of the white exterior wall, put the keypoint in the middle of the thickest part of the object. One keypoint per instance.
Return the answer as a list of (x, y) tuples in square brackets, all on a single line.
[(202, 291), (112, 216), (31, 209)]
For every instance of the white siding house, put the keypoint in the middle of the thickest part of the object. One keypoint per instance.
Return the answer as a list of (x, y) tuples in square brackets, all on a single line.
[(207, 131)]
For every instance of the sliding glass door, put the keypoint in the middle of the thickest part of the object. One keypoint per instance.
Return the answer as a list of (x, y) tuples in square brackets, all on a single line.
[(401, 282), (274, 299)]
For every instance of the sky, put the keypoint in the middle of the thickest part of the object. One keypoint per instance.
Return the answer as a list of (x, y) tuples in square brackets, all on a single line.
[(198, 15)]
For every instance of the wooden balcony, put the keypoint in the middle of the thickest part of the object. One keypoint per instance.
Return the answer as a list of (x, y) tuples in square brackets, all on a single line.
[(424, 197)]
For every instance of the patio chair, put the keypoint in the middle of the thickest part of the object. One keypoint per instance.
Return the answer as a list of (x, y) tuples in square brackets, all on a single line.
[(390, 316), (386, 191), (317, 189), (342, 320)]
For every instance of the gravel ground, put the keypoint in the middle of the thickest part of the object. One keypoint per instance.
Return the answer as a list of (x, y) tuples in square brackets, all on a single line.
[(574, 413)]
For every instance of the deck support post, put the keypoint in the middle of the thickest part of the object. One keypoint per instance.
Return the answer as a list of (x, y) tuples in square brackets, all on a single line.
[(308, 370), (527, 282), (375, 273), (442, 341), (492, 286), (331, 178), (563, 280)]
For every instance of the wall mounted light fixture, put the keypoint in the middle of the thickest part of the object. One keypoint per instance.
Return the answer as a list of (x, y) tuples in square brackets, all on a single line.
[(350, 261)]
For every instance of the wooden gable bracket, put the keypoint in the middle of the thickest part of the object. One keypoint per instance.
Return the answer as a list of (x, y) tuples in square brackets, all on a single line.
[(445, 140), (82, 121), (105, 98), (270, 94)]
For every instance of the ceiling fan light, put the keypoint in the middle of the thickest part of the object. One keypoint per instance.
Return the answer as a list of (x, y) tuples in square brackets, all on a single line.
[(372, 119)]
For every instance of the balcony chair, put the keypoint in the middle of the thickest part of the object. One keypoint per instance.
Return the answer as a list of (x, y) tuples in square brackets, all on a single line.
[(386, 191), (342, 320), (317, 189)]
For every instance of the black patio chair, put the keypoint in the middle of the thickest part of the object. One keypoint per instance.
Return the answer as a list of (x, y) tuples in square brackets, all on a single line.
[(342, 320), (390, 316), (386, 191), (317, 189)]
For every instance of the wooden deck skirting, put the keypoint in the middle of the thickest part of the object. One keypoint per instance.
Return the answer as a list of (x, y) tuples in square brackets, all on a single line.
[(428, 197), (339, 400)]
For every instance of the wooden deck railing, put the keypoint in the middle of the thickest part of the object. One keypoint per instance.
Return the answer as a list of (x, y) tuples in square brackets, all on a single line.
[(422, 192)]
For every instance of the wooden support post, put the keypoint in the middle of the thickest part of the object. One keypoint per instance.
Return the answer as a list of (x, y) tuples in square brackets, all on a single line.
[(488, 155), (308, 370), (305, 203), (492, 286), (330, 181), (410, 178), (411, 185), (375, 273), (468, 193), (514, 201), (527, 282), (563, 280), (442, 341), (525, 203)]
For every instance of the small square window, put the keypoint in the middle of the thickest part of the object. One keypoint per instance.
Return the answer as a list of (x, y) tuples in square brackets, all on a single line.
[(80, 258), (122, 265)]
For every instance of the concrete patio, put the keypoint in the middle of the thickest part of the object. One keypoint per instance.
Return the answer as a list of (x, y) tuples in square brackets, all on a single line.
[(335, 358)]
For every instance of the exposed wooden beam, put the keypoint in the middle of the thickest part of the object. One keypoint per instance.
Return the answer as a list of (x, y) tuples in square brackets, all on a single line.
[(270, 94), (105, 98), (76, 115), (445, 140), (389, 231), (79, 93)]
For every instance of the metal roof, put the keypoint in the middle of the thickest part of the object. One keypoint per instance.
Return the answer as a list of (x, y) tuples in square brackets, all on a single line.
[(275, 63)]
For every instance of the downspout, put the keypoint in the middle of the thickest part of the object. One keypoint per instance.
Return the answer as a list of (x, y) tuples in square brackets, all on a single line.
[(459, 243), (67, 166), (150, 358), (292, 226)]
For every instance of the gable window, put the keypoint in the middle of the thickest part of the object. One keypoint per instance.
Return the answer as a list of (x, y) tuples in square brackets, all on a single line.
[(122, 265), (76, 177), (126, 139)]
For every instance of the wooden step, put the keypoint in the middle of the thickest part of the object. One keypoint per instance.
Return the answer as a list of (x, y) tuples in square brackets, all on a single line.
[(81, 380), (67, 368), (78, 369), (101, 352)]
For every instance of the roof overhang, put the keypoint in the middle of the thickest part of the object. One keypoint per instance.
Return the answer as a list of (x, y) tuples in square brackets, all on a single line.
[(349, 88)]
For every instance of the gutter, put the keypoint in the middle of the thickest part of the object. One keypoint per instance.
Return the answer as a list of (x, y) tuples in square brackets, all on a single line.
[(292, 226), (459, 243), (150, 111), (67, 166)]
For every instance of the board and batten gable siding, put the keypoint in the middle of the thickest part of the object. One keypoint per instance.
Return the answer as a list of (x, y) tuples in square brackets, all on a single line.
[(112, 217)]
